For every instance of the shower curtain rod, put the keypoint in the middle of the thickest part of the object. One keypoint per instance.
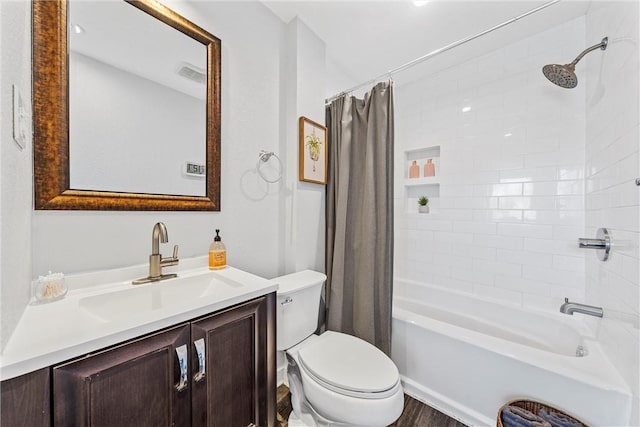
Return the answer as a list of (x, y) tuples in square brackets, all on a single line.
[(441, 50)]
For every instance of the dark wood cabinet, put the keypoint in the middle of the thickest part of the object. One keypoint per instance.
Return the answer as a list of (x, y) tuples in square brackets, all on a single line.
[(234, 392), (140, 383), (25, 400), (134, 384)]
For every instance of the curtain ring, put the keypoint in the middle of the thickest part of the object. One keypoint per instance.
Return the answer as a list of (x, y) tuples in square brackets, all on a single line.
[(264, 157)]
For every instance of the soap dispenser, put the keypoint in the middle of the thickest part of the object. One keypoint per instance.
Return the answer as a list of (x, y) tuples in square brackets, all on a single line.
[(217, 253)]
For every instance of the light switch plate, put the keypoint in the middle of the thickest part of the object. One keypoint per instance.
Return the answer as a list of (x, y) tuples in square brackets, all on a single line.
[(19, 119)]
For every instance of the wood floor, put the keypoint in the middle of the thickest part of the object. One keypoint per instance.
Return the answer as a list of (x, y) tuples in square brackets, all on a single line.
[(415, 413), (283, 406)]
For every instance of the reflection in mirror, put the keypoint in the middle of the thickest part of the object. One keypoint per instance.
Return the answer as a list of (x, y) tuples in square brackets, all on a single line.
[(140, 127), (137, 102)]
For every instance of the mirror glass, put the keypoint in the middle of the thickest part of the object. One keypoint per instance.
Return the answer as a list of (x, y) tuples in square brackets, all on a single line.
[(126, 108), (137, 102)]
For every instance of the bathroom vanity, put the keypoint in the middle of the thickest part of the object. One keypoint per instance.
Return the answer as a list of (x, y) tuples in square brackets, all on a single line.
[(206, 361)]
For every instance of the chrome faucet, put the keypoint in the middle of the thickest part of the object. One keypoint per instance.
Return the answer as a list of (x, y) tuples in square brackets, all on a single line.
[(574, 307), (156, 262)]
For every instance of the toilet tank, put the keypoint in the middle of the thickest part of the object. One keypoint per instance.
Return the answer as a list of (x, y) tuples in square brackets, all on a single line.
[(298, 306)]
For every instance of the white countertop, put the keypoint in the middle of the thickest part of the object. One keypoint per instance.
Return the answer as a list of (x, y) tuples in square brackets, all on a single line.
[(89, 318)]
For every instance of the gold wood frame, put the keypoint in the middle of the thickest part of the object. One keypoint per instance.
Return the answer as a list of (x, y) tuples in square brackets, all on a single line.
[(319, 175), (51, 118)]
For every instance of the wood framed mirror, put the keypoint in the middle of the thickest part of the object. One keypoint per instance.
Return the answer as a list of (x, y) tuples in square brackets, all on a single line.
[(54, 187)]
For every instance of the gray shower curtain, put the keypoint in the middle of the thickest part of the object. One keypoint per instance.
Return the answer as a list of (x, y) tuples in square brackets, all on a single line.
[(359, 246)]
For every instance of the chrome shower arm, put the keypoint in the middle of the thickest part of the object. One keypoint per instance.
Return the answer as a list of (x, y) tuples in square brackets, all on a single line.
[(602, 46)]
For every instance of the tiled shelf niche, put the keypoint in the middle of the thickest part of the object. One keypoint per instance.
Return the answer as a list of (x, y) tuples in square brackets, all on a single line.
[(423, 186)]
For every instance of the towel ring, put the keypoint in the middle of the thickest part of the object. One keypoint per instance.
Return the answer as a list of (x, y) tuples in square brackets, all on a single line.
[(264, 157)]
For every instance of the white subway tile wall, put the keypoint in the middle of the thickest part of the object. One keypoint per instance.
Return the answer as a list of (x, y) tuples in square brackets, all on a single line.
[(612, 144), (512, 149), (525, 169)]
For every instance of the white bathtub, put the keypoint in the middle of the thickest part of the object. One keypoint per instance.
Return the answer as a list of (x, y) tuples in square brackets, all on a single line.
[(467, 356)]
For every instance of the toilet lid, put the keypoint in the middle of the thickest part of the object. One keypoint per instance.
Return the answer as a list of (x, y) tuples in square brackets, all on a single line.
[(349, 363)]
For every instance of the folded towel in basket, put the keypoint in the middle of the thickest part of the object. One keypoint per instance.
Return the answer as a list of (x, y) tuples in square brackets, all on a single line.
[(513, 416), (557, 419)]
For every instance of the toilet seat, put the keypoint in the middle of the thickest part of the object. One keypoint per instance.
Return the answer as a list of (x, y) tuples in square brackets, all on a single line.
[(345, 403), (350, 366)]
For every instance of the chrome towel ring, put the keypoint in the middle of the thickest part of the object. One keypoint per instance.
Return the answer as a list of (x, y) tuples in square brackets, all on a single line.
[(263, 158)]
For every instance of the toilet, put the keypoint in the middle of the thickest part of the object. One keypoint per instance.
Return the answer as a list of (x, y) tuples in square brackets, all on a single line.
[(335, 379)]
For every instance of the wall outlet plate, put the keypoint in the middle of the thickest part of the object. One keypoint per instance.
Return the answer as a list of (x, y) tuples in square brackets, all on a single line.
[(19, 119)]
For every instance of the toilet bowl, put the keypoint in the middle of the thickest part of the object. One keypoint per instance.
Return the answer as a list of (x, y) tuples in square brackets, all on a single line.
[(335, 379)]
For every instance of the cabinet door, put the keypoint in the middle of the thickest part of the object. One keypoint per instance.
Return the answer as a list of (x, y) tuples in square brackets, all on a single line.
[(238, 388), (25, 400), (134, 384)]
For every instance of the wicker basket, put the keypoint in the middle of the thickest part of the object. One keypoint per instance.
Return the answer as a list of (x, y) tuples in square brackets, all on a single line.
[(535, 407)]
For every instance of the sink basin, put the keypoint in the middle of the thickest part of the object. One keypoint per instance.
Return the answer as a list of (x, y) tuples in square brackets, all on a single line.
[(166, 294)]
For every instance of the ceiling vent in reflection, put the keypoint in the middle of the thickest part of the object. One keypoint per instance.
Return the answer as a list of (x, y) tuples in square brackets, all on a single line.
[(193, 73)]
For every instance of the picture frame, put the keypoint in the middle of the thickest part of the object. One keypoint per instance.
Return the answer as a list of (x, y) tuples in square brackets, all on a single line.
[(313, 151)]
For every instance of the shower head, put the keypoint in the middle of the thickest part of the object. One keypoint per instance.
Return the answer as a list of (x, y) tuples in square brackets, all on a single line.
[(561, 75), (564, 75)]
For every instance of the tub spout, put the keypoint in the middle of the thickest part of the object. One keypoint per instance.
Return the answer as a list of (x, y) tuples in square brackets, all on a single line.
[(574, 307)]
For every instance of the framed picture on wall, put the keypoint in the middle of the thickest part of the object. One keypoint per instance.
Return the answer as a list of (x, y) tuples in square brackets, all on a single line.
[(313, 151)]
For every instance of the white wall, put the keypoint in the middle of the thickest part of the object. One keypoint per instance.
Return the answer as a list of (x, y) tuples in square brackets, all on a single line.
[(16, 167), (248, 219), (253, 118), (612, 165), (338, 80), (304, 202), (3, 107), (510, 207), (138, 137)]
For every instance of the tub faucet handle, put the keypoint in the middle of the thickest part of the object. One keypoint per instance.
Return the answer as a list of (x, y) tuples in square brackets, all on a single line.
[(602, 243)]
